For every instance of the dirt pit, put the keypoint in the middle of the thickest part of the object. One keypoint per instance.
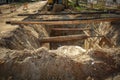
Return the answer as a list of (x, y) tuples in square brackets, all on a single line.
[(24, 57)]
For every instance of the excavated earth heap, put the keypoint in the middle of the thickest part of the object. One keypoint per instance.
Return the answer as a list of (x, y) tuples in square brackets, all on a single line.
[(60, 64), (23, 57)]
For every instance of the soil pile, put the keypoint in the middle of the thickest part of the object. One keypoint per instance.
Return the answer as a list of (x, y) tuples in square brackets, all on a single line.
[(43, 64), (24, 37), (23, 58)]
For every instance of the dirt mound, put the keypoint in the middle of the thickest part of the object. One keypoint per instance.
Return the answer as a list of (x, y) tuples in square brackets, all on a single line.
[(21, 57), (43, 64), (24, 37)]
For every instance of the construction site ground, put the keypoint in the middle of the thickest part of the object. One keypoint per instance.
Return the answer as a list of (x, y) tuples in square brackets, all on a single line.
[(86, 51), (8, 15)]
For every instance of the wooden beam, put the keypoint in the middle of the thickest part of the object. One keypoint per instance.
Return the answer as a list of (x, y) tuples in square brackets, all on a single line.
[(69, 29), (63, 38), (97, 45), (61, 22), (109, 42), (74, 13)]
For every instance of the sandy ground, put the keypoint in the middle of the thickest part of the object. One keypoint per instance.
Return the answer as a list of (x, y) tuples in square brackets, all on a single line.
[(7, 16)]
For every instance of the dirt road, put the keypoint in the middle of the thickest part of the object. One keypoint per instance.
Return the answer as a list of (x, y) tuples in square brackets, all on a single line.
[(32, 8)]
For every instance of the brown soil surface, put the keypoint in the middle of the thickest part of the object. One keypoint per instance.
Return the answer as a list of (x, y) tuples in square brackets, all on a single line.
[(32, 8), (60, 64), (23, 57)]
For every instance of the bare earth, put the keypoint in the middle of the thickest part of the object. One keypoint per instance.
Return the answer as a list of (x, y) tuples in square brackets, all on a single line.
[(7, 16)]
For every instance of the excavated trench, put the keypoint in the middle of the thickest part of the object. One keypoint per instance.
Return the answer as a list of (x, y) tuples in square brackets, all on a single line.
[(54, 33), (110, 30), (24, 57)]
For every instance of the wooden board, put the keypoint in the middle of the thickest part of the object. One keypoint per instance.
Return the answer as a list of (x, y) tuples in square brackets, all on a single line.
[(61, 22), (63, 38), (69, 29)]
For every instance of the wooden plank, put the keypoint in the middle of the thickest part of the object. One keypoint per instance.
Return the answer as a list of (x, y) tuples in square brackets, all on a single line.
[(86, 44), (109, 42), (97, 45), (73, 13), (60, 22), (63, 38), (69, 29)]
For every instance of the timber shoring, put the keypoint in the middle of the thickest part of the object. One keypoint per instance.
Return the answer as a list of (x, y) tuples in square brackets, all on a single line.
[(73, 13), (69, 29), (65, 38), (63, 22)]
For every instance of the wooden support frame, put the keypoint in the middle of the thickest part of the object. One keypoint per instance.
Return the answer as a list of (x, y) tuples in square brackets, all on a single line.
[(63, 38), (69, 29), (74, 13), (64, 22), (91, 39)]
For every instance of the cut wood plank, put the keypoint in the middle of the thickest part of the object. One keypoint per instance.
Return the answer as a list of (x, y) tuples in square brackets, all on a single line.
[(63, 38), (69, 29), (109, 42), (97, 45), (73, 13), (61, 22)]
